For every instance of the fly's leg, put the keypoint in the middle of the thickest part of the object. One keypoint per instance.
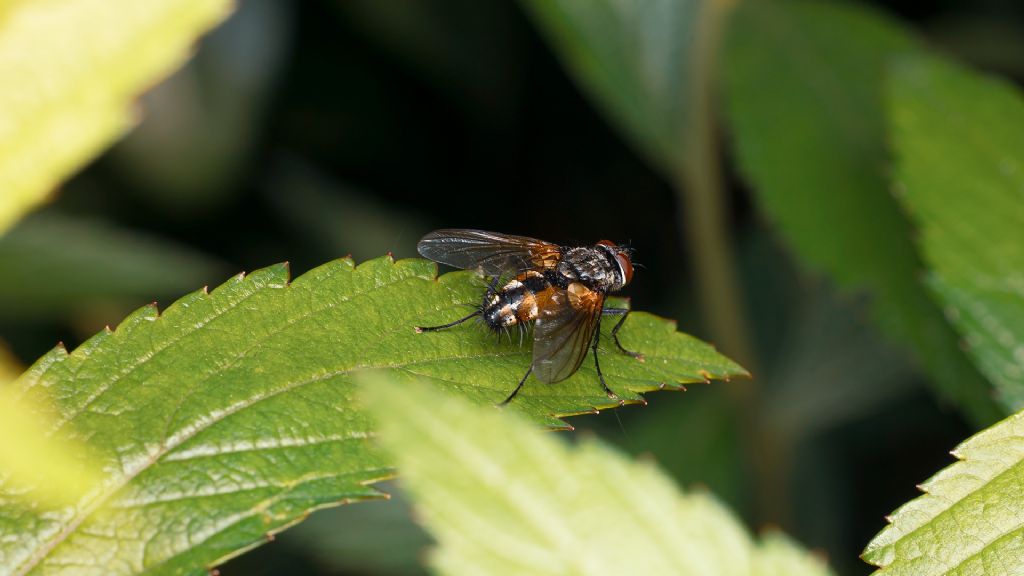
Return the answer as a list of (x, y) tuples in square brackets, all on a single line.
[(597, 363), (491, 289), (518, 386), (421, 329), (615, 331)]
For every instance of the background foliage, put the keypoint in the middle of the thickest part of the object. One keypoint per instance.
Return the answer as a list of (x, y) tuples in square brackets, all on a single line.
[(808, 185)]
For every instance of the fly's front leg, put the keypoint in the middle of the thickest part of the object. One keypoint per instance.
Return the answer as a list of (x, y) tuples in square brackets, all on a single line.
[(615, 331)]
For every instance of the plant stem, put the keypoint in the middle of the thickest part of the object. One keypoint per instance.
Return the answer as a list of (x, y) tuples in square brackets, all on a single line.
[(698, 181)]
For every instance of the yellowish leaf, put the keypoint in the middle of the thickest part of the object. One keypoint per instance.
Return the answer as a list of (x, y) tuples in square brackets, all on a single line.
[(69, 73)]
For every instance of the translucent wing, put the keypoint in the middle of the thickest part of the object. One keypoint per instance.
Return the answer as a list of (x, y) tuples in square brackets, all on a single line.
[(564, 330), (496, 254)]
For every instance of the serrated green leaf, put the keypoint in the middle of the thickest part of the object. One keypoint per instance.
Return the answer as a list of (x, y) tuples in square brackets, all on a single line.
[(971, 518), (959, 144), (231, 415), (504, 498), (635, 59), (803, 86), (69, 73)]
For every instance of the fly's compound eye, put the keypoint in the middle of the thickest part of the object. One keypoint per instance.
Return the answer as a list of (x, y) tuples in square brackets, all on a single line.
[(622, 258), (626, 265)]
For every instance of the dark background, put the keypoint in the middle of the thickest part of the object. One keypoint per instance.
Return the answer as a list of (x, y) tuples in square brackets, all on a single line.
[(307, 131)]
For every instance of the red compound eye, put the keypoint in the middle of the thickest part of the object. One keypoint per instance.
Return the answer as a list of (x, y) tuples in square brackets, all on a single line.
[(625, 264)]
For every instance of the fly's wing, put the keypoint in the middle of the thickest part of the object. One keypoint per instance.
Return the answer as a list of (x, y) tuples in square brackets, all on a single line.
[(564, 330), (496, 254)]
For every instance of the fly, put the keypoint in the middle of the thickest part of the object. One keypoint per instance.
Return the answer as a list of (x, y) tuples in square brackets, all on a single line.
[(560, 289)]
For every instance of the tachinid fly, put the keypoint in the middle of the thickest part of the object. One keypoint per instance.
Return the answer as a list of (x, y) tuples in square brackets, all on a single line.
[(561, 289)]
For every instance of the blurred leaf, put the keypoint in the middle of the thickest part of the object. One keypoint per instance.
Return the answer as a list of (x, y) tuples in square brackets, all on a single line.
[(443, 41), (69, 72), (339, 219), (504, 498), (230, 416), (959, 143), (376, 537), (987, 40), (57, 264), (695, 439), (203, 123), (635, 58), (832, 369), (971, 518), (781, 556), (804, 100), (9, 366), (34, 467)]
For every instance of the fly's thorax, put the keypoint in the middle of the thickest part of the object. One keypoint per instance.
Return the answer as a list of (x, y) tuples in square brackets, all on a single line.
[(594, 267)]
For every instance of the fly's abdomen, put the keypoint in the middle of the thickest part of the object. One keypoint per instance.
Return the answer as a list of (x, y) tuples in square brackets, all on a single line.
[(515, 302)]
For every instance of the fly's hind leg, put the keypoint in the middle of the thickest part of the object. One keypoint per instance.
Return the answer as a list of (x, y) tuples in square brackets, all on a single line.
[(615, 331), (492, 288), (420, 329)]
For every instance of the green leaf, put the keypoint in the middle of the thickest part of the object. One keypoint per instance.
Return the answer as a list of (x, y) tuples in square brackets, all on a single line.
[(971, 518), (69, 73), (231, 415), (108, 265), (959, 143), (803, 85), (635, 59), (504, 498)]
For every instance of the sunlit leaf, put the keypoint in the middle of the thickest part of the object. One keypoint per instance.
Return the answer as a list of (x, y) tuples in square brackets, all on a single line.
[(69, 73), (504, 498), (971, 518), (959, 144), (35, 467), (231, 414), (803, 85)]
